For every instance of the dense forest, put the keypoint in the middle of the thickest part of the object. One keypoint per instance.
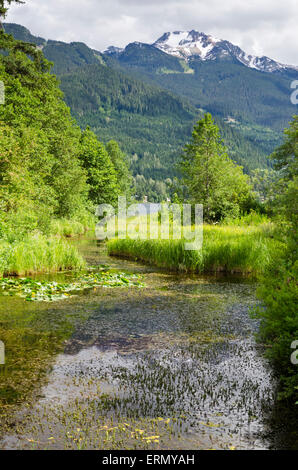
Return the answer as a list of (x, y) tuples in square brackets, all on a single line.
[(79, 128), (119, 98), (50, 169)]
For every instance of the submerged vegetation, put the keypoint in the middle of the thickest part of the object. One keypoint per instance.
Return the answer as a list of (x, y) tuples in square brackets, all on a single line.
[(33, 333)]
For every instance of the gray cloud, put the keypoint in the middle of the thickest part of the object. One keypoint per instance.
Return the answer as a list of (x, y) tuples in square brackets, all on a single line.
[(262, 27)]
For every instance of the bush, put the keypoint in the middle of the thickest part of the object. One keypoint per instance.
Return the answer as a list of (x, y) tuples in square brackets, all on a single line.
[(279, 320)]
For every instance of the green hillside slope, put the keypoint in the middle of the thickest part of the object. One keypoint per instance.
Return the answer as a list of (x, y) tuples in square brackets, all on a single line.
[(130, 100)]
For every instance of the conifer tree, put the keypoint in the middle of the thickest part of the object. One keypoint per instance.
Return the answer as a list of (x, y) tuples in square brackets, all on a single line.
[(211, 177), (4, 7)]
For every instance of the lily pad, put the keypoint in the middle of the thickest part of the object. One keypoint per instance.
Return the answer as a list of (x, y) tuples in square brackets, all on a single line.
[(36, 291)]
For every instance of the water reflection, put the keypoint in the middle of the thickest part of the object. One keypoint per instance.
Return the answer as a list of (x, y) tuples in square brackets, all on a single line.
[(179, 354)]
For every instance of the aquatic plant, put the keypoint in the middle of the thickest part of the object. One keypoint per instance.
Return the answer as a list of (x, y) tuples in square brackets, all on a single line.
[(38, 290)]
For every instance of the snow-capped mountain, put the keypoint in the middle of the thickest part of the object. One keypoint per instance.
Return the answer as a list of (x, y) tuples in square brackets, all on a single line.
[(188, 44), (185, 44), (113, 50)]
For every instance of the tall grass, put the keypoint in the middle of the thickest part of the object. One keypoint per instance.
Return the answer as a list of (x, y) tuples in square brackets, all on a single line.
[(26, 251), (73, 227), (67, 228), (251, 219), (228, 249), (37, 253)]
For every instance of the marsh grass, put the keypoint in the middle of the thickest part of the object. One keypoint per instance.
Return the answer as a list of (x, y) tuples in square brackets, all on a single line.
[(37, 254), (23, 253), (69, 228), (230, 249)]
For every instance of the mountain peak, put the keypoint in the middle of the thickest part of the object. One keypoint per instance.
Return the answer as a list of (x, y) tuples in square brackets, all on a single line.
[(186, 44), (112, 50), (193, 44)]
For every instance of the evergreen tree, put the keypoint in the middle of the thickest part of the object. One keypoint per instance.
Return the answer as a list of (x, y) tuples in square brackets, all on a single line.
[(120, 163), (4, 7), (36, 123), (101, 173), (211, 177), (278, 286), (286, 156), (285, 160)]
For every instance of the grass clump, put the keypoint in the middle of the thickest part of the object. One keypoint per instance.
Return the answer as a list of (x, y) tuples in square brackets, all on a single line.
[(68, 228), (229, 249), (37, 253)]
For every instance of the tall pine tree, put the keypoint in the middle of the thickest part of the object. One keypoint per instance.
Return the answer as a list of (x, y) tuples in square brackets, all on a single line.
[(211, 177)]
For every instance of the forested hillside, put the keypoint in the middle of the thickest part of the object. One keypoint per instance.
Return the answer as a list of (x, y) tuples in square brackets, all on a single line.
[(126, 100), (224, 88), (51, 172), (103, 353)]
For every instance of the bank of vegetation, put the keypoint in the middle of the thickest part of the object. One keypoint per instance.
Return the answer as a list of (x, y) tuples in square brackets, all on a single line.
[(265, 245), (52, 174), (226, 249)]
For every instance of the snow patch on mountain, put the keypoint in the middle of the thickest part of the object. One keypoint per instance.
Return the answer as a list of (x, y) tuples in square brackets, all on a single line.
[(188, 44), (113, 50)]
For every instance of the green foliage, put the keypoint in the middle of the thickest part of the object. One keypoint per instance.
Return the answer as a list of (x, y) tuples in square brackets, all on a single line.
[(101, 173), (4, 6), (278, 290), (263, 182), (279, 320), (286, 156), (211, 177), (113, 90), (119, 160), (39, 141), (48, 167)]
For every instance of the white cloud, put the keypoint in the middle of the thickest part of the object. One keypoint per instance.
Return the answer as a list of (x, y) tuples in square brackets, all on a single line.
[(262, 27)]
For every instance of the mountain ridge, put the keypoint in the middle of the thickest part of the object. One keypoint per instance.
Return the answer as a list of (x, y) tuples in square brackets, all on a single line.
[(240, 99), (187, 45)]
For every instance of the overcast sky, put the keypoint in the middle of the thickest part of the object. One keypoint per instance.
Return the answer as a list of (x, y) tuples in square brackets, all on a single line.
[(260, 27)]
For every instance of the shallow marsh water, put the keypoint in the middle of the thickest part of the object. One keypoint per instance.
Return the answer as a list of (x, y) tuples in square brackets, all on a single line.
[(173, 365)]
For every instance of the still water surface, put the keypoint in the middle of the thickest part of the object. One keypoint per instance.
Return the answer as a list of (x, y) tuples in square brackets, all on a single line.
[(170, 365)]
